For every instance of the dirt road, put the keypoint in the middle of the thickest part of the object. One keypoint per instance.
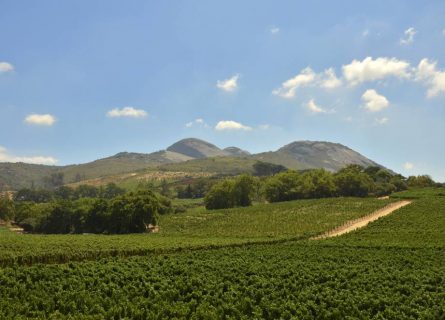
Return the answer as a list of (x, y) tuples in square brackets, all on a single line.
[(362, 222)]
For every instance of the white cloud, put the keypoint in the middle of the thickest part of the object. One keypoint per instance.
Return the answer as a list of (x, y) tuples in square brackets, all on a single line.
[(40, 119), (198, 121), (408, 166), (375, 69), (427, 73), (264, 126), (288, 88), (274, 30), (408, 36), (382, 121), (365, 33), (6, 157), (373, 101), (127, 112), (231, 125), (6, 67), (228, 85), (329, 79), (312, 107)]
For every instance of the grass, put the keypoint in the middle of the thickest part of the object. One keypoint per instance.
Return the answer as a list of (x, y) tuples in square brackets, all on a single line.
[(220, 165)]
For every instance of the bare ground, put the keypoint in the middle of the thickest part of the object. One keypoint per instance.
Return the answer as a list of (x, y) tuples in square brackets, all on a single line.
[(362, 222)]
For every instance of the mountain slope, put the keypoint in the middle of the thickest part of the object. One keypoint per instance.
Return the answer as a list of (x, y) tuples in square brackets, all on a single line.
[(188, 155), (321, 154), (196, 148)]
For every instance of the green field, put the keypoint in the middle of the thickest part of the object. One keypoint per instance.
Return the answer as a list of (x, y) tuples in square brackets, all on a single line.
[(392, 269), (196, 228)]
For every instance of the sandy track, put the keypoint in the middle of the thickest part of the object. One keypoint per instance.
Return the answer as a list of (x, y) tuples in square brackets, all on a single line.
[(362, 222)]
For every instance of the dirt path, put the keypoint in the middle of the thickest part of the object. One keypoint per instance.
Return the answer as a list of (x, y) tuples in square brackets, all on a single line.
[(362, 222)]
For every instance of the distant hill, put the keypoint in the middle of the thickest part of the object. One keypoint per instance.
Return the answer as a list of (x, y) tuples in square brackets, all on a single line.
[(236, 152), (196, 148), (315, 154), (188, 155)]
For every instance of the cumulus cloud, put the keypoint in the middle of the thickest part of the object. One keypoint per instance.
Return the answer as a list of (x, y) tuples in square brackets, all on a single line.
[(6, 157), (408, 37), (382, 121), (129, 112), (329, 79), (274, 30), (373, 101), (228, 85), (40, 119), (196, 122), (428, 74), (6, 67), (230, 125), (314, 108), (375, 69), (307, 77), (289, 87), (408, 166)]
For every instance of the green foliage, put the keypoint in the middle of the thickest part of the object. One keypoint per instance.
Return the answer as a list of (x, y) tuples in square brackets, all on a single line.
[(263, 169), (128, 213), (7, 209), (230, 193), (220, 196), (292, 185), (283, 281), (422, 181), (196, 228), (353, 182)]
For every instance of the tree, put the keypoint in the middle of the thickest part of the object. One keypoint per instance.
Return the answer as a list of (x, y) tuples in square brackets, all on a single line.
[(267, 169), (132, 212), (111, 190), (86, 191), (352, 181), (7, 208), (421, 181), (319, 184), (243, 190), (220, 196), (283, 187)]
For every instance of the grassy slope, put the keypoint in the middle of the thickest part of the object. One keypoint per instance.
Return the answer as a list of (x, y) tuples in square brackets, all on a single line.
[(221, 165), (197, 228)]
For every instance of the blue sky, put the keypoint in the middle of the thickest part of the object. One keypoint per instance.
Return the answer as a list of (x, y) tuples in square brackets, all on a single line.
[(80, 80)]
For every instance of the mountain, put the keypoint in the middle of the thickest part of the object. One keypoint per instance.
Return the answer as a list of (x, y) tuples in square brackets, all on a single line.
[(315, 154), (187, 155), (236, 152), (196, 148)]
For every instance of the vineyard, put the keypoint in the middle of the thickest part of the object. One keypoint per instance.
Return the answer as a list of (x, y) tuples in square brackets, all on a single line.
[(196, 228), (392, 269)]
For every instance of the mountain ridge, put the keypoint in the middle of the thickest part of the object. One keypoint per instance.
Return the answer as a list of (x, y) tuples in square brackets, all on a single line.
[(189, 154)]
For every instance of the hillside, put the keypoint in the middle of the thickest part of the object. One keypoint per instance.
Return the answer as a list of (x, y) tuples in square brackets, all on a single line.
[(315, 154), (187, 155)]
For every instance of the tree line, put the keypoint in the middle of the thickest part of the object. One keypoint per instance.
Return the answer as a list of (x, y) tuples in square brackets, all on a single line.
[(130, 212), (351, 181)]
